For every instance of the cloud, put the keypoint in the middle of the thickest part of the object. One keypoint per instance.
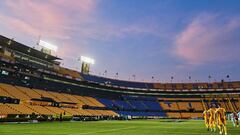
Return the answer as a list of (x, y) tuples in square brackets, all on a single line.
[(71, 24), (76, 5), (18, 24), (209, 38), (35, 17), (57, 20), (62, 19), (107, 32)]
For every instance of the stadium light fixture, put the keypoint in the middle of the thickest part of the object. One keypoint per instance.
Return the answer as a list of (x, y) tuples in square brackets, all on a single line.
[(87, 60), (48, 45)]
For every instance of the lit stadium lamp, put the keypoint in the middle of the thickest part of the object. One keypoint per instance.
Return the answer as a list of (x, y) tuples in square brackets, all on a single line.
[(48, 45), (87, 60)]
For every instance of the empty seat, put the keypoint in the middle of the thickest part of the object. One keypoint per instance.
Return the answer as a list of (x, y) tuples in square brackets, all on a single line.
[(14, 92), (31, 93), (5, 109), (41, 110), (21, 108)]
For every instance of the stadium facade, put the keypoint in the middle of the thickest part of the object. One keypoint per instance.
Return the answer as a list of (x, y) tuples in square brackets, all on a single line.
[(32, 83)]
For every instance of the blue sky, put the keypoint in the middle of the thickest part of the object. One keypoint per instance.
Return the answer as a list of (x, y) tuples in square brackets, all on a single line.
[(160, 38)]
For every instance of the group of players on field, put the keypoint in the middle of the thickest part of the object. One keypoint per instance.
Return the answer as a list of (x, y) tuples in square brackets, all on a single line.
[(216, 117)]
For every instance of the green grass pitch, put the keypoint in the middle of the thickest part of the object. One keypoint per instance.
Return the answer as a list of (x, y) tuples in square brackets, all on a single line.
[(135, 127)]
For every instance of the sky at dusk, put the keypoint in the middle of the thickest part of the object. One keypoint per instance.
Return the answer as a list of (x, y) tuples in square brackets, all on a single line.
[(160, 38)]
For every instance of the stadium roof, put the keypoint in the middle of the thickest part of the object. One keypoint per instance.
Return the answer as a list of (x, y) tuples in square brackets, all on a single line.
[(26, 49)]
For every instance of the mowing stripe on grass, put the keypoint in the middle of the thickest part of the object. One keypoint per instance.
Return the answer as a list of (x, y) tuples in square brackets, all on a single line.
[(104, 131)]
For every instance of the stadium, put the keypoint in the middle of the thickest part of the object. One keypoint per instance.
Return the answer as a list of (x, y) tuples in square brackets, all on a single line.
[(119, 67), (35, 88)]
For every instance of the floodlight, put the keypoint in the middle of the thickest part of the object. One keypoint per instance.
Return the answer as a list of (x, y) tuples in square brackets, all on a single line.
[(87, 60), (48, 45)]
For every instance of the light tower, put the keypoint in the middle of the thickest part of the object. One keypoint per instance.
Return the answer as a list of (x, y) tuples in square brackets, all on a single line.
[(47, 47), (86, 62)]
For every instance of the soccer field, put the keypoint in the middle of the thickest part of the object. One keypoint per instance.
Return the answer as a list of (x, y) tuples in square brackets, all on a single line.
[(141, 127)]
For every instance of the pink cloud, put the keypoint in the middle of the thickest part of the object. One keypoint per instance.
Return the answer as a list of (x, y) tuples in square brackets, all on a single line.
[(56, 20), (18, 24), (76, 5), (60, 19), (50, 18), (72, 24), (209, 38)]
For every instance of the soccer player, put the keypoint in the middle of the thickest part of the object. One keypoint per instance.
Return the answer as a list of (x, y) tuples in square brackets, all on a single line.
[(232, 119), (221, 120), (212, 123), (238, 115), (235, 119), (206, 119)]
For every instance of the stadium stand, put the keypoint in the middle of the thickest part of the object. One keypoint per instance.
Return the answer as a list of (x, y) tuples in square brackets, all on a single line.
[(26, 94), (33, 82), (114, 82)]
